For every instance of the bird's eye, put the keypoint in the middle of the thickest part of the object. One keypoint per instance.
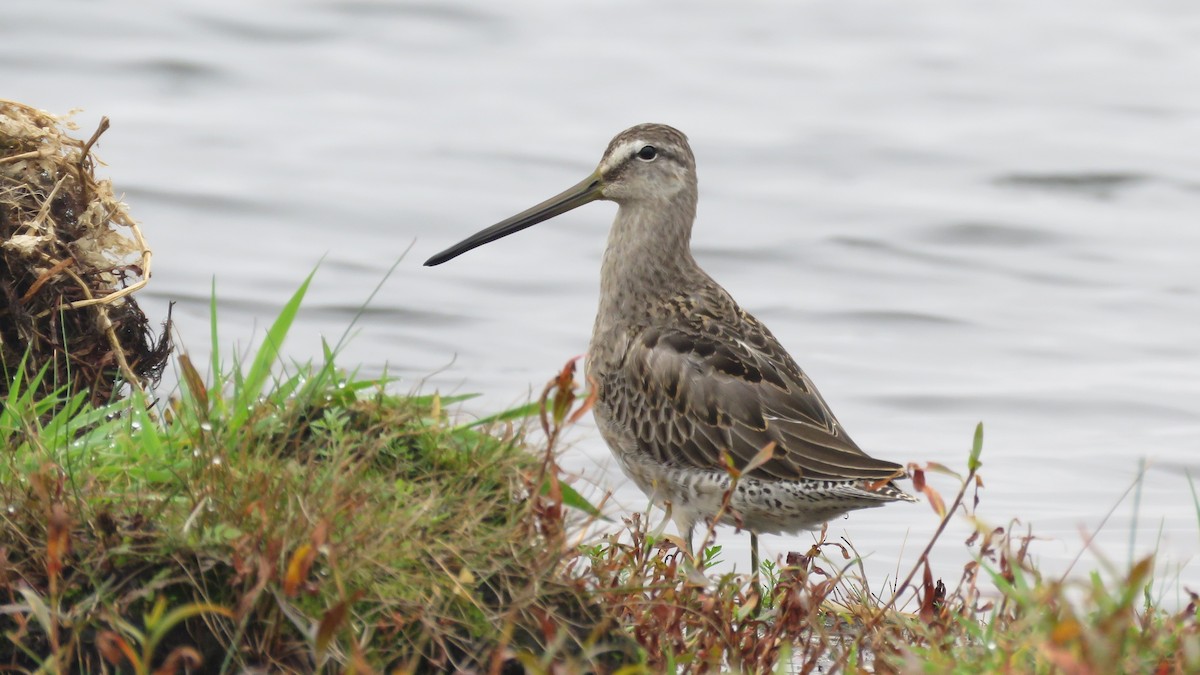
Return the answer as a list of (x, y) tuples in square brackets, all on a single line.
[(647, 153)]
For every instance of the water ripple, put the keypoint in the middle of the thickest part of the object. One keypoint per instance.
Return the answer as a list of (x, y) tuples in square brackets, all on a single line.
[(1097, 185), (267, 30), (201, 201), (979, 233), (892, 318), (447, 12)]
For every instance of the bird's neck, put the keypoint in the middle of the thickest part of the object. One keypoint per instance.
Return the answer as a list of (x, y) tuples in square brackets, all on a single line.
[(648, 257)]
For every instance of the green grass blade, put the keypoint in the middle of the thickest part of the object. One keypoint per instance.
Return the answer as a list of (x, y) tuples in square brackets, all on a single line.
[(367, 303), (426, 400), (268, 354), (1195, 497), (517, 413), (212, 323)]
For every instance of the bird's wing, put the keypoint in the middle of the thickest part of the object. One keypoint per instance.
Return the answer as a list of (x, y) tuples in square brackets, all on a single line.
[(689, 393)]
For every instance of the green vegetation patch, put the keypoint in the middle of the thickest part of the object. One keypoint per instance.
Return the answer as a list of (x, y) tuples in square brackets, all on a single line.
[(324, 521), (304, 519)]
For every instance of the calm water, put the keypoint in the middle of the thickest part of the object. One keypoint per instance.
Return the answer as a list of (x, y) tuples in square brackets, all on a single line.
[(949, 212)]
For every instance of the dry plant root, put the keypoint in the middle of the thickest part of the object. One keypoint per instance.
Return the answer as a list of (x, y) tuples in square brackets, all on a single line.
[(71, 258)]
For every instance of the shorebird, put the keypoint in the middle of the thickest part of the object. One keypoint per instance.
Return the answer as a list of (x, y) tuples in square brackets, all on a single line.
[(687, 382)]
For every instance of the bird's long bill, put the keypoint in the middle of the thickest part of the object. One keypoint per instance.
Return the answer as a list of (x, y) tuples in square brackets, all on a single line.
[(573, 197)]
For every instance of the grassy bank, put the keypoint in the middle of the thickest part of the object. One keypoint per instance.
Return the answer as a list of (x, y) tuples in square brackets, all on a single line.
[(304, 519)]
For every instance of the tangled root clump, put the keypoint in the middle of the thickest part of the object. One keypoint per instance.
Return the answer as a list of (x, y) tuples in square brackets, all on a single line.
[(71, 258)]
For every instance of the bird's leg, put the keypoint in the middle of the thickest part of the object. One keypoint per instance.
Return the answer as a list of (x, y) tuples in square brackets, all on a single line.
[(692, 563), (685, 527), (754, 558), (679, 525)]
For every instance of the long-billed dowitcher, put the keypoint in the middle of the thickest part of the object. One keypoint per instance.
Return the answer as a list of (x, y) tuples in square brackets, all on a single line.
[(685, 378)]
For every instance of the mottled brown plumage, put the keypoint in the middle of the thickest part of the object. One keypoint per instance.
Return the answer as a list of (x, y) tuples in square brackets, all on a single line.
[(685, 377)]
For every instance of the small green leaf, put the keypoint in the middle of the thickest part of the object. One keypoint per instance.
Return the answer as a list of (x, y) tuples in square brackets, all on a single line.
[(572, 498), (973, 463)]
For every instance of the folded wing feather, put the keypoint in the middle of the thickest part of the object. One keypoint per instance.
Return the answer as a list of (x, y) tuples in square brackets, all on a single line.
[(690, 389)]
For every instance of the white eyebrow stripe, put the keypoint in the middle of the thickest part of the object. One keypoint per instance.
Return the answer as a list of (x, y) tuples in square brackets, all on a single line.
[(621, 153)]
